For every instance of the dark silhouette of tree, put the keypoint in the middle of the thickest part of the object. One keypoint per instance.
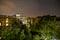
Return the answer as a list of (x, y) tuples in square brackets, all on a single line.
[(46, 27)]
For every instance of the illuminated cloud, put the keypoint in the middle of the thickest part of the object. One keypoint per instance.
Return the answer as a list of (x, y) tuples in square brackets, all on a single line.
[(6, 7), (30, 7)]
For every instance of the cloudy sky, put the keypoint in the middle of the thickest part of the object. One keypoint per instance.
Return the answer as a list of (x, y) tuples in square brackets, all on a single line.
[(31, 8)]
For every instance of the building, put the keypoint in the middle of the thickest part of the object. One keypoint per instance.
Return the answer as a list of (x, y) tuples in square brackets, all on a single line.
[(22, 18), (28, 21), (5, 20)]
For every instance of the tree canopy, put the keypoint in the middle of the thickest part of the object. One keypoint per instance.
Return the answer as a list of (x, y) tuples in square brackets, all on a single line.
[(44, 28)]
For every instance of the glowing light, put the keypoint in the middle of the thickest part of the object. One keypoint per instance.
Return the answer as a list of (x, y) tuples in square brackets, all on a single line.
[(0, 37), (7, 24), (18, 15), (23, 22), (6, 19), (0, 24)]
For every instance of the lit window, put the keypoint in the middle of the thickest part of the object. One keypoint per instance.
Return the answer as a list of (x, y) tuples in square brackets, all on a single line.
[(0, 37), (7, 24), (0, 24), (18, 15), (6, 19)]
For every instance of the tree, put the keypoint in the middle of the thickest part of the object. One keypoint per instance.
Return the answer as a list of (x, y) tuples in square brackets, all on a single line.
[(12, 32), (58, 33), (36, 37), (16, 31), (46, 27), (9, 33)]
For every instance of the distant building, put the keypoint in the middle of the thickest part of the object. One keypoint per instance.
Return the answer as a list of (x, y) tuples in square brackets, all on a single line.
[(5, 20), (28, 21), (18, 16), (22, 18), (25, 20)]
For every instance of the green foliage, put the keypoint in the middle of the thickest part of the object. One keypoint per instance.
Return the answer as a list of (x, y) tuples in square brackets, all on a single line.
[(9, 33), (22, 35), (47, 27), (58, 33), (43, 29), (36, 37)]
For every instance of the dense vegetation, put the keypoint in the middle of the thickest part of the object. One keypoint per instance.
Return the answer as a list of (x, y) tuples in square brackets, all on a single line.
[(45, 28)]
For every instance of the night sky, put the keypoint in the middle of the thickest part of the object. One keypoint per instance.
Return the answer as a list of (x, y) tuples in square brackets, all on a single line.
[(30, 8)]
